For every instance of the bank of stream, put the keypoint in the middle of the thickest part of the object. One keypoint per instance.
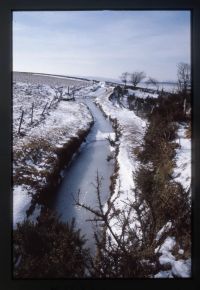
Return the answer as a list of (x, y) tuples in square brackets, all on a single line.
[(80, 176)]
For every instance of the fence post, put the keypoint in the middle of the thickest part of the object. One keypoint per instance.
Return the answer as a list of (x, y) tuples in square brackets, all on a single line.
[(51, 103), (20, 123), (60, 90), (32, 113), (44, 109)]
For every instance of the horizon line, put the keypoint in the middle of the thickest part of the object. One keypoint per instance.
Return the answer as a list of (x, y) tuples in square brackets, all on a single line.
[(86, 77)]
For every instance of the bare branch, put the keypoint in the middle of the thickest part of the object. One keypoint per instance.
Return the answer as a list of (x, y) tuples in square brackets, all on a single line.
[(124, 77), (137, 77)]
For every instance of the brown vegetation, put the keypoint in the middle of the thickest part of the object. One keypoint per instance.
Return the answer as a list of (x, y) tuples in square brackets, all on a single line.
[(49, 249), (45, 181)]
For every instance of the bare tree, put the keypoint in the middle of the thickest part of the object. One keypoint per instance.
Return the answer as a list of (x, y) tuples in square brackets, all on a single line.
[(152, 81), (184, 77), (124, 77), (137, 77), (119, 253)]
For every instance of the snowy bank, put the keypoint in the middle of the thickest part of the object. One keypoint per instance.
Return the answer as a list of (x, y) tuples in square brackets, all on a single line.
[(182, 171), (139, 93), (132, 129), (38, 152), (179, 268)]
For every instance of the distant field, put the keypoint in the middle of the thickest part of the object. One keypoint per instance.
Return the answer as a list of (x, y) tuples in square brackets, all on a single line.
[(44, 79)]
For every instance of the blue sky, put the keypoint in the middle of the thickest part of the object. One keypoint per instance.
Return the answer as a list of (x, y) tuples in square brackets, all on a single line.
[(101, 43)]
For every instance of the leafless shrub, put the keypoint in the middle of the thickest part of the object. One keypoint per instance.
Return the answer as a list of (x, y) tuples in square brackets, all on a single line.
[(124, 77), (184, 77), (153, 82), (137, 77), (123, 254)]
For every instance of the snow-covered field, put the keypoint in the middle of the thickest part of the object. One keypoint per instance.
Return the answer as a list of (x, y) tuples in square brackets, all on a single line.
[(167, 87), (36, 148), (51, 80), (141, 94)]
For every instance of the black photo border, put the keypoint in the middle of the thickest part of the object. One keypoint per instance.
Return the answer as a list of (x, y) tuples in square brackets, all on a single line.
[(6, 9)]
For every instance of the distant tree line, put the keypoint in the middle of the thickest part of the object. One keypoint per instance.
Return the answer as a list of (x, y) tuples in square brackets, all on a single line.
[(183, 77), (134, 78)]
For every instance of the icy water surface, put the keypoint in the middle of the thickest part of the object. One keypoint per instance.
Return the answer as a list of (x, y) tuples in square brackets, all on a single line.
[(81, 175)]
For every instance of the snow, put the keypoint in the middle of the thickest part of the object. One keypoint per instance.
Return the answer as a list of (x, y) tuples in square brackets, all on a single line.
[(64, 119), (103, 136), (62, 122), (35, 213), (164, 229), (59, 77), (182, 268), (167, 87), (167, 246), (132, 128), (181, 251), (51, 80), (164, 274), (22, 196), (91, 91), (143, 95), (179, 268), (126, 169), (182, 171), (21, 202), (56, 127), (60, 125), (131, 92)]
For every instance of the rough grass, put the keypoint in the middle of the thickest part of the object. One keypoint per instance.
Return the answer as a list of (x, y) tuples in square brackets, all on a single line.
[(188, 133), (49, 249), (38, 164), (159, 199), (118, 133), (165, 198)]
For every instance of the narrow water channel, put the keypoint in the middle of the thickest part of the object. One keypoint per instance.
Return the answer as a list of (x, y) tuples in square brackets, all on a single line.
[(81, 175)]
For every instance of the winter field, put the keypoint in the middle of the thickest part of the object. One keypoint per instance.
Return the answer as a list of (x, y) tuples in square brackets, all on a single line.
[(50, 121), (48, 125)]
